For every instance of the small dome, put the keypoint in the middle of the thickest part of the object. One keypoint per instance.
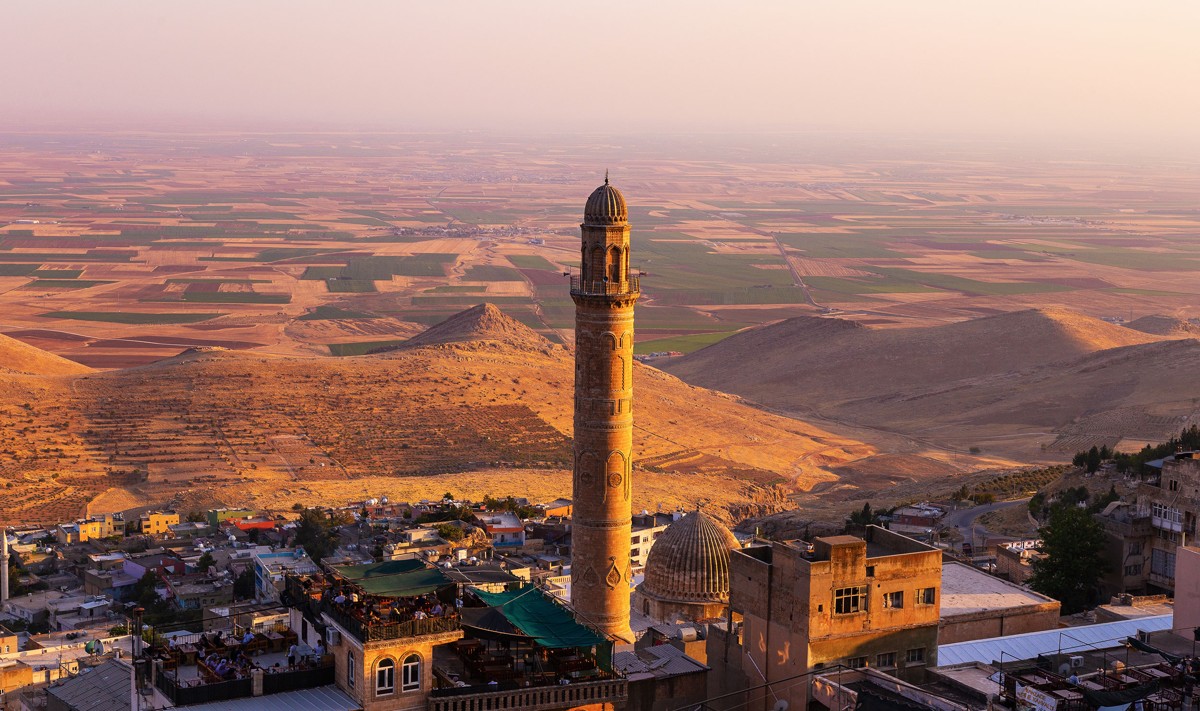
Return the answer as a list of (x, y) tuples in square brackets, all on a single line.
[(605, 206), (690, 561)]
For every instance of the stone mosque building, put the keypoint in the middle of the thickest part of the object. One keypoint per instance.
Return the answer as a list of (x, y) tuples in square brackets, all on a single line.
[(687, 573)]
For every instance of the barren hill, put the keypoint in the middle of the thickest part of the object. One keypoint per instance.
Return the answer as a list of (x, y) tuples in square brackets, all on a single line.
[(493, 415), (24, 359), (480, 323), (1013, 382), (1165, 326)]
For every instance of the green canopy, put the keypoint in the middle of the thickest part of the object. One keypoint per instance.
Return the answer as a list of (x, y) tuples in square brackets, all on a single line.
[(535, 615), (394, 578)]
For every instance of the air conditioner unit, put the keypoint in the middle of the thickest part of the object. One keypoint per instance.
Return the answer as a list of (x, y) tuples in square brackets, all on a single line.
[(333, 637), (1076, 662)]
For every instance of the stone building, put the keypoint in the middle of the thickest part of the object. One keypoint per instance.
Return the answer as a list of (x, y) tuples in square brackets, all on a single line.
[(687, 571), (604, 292), (1144, 537), (859, 602)]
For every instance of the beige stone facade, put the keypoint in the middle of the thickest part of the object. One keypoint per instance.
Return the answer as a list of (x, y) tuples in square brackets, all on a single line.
[(851, 601), (604, 292), (385, 675)]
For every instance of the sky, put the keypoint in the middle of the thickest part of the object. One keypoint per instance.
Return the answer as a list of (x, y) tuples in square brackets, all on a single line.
[(1113, 70)]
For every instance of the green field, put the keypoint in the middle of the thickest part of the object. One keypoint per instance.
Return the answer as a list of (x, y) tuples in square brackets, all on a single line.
[(968, 286), (132, 318), (333, 313), (840, 246), (361, 348), (58, 273), (232, 297), (18, 269), (384, 268), (350, 286), (531, 261), (488, 272), (866, 285), (66, 283), (219, 280)]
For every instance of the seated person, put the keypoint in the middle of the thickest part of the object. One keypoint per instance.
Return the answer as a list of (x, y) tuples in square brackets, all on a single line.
[(248, 637)]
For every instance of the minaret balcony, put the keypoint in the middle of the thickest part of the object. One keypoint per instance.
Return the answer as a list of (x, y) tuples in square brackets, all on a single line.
[(604, 287)]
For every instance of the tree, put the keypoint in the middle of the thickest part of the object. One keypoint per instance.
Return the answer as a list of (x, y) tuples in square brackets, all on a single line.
[(1073, 544), (206, 561), (449, 532), (316, 534), (196, 517), (1093, 459), (244, 586), (862, 518)]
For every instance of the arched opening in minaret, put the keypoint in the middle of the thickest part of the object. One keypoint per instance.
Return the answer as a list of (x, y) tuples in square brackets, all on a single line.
[(612, 264)]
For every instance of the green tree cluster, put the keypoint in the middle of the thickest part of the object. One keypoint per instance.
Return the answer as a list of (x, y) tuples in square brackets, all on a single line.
[(1070, 571)]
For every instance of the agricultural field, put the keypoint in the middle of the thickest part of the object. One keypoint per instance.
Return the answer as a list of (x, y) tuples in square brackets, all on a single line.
[(120, 250)]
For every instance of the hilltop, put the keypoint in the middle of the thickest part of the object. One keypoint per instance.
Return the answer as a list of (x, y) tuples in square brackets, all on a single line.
[(1015, 383), (23, 359), (477, 401), (1165, 326), (479, 324)]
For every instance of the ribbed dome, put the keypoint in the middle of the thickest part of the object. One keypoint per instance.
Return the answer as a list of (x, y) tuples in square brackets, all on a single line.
[(605, 206), (690, 561)]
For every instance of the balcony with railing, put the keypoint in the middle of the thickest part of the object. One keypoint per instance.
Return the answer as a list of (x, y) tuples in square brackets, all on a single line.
[(365, 622), (604, 287), (185, 678), (538, 698)]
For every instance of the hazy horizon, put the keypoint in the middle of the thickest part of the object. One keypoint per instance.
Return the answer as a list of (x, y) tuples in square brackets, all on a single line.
[(1100, 71)]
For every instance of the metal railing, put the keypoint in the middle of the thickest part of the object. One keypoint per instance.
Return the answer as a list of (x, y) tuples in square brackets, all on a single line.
[(182, 694), (198, 691), (613, 691), (376, 631), (604, 287)]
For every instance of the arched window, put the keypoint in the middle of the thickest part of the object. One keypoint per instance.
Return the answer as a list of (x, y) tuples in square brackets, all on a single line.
[(411, 680), (385, 677)]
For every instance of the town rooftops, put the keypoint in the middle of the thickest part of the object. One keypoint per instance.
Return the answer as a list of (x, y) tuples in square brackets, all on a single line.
[(661, 661), (967, 590), (1029, 645), (105, 688)]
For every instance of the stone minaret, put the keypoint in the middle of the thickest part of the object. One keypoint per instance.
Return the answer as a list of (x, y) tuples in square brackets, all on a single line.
[(604, 293), (3, 564)]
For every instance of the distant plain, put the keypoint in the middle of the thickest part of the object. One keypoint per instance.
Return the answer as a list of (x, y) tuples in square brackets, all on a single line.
[(120, 250)]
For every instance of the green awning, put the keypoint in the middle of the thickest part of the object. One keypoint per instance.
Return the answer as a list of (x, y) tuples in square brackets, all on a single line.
[(537, 616), (394, 578)]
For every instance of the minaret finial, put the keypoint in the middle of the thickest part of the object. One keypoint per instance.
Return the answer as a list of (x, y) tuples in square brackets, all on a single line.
[(606, 176)]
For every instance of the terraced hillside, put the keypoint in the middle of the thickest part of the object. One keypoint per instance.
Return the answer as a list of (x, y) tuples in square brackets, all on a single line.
[(480, 394)]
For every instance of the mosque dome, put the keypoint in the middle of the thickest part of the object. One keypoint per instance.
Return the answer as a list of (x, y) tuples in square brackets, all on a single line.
[(690, 561), (605, 206)]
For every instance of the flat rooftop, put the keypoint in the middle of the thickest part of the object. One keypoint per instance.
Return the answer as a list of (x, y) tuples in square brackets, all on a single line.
[(967, 590)]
